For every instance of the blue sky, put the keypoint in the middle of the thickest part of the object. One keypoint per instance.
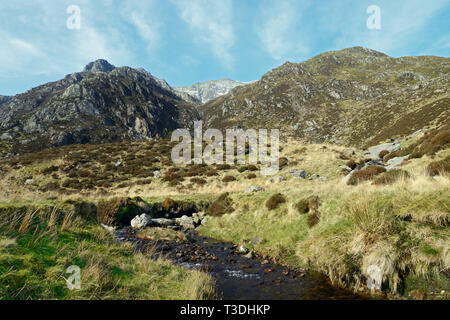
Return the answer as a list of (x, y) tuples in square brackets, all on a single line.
[(188, 41)]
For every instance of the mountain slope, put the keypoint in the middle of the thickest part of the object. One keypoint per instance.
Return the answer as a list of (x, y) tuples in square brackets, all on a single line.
[(355, 96), (206, 91), (4, 99), (100, 104)]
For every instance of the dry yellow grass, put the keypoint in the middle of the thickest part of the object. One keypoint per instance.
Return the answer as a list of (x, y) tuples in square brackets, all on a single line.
[(316, 159), (400, 227)]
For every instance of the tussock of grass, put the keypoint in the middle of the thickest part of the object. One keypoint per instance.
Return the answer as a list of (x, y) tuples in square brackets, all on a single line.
[(367, 232), (251, 176), (307, 204), (275, 201), (228, 179), (392, 176), (222, 205), (313, 219), (429, 144), (402, 228), (439, 167), (365, 174)]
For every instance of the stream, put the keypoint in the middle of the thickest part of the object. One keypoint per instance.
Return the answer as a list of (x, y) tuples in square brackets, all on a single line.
[(238, 277)]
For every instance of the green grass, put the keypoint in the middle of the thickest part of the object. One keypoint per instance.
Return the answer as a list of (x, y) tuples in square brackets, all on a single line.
[(278, 232), (405, 232), (34, 258)]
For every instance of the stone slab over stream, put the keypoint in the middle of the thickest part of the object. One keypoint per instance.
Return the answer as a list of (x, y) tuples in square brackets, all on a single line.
[(238, 276)]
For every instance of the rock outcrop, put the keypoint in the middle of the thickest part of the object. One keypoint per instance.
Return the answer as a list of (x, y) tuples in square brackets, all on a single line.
[(4, 99), (101, 104)]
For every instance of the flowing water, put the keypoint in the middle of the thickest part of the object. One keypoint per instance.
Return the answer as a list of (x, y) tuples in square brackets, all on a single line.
[(238, 277)]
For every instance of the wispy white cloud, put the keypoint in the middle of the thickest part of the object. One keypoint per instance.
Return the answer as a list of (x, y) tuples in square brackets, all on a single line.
[(100, 36), (44, 45), (147, 32), (210, 22), (20, 54), (153, 34), (25, 47), (279, 28), (90, 43), (148, 21)]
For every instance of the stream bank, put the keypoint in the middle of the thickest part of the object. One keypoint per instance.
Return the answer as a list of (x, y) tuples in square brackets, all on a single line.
[(238, 276)]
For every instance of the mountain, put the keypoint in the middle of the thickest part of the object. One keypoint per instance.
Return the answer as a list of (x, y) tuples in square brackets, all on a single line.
[(4, 99), (206, 91), (354, 96), (100, 104)]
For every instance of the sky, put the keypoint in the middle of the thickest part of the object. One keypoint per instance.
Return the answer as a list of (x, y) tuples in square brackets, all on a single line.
[(190, 41)]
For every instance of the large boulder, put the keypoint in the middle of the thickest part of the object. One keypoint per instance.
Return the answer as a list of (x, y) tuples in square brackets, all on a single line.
[(395, 162), (119, 211), (186, 222), (254, 189), (348, 177), (141, 221), (299, 174), (346, 168), (374, 152)]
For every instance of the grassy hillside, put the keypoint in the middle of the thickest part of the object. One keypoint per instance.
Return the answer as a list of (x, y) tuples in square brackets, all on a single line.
[(38, 243), (355, 97)]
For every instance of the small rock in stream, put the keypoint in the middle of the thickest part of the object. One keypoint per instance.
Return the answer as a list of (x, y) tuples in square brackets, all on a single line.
[(242, 249), (256, 241), (249, 255)]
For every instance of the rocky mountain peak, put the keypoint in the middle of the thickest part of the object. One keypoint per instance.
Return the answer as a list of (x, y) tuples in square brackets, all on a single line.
[(101, 104), (209, 90), (99, 65)]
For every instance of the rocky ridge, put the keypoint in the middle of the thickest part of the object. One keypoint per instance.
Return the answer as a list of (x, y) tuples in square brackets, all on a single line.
[(209, 90)]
